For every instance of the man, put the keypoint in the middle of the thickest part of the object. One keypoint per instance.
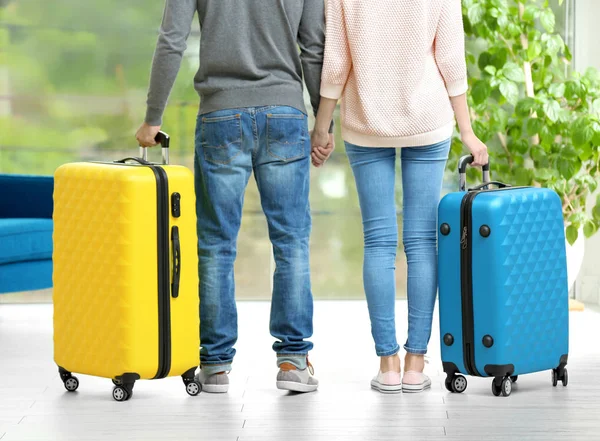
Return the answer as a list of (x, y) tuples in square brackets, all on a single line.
[(252, 118)]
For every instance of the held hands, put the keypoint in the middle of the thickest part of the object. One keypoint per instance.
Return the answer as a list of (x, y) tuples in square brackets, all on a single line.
[(322, 145), (477, 148), (146, 135)]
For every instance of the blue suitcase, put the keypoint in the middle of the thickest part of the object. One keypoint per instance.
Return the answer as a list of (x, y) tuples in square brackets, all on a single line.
[(503, 291)]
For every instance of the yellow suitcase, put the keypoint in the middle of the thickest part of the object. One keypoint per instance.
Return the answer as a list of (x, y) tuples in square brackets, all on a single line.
[(126, 303)]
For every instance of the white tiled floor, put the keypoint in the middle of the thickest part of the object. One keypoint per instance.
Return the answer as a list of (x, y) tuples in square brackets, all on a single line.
[(34, 405)]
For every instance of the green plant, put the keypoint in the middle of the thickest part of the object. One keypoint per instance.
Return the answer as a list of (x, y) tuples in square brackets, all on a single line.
[(540, 119)]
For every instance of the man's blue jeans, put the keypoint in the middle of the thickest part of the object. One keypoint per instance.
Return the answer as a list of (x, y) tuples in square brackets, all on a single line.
[(422, 174), (274, 143)]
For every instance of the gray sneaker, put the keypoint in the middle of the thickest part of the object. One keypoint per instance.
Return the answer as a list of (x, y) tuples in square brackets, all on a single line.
[(213, 384), (296, 380)]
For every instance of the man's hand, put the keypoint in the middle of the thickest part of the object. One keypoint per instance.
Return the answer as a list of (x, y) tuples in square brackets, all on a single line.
[(322, 145), (146, 135)]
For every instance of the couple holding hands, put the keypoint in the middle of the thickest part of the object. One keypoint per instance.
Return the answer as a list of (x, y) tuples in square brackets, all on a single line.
[(399, 70)]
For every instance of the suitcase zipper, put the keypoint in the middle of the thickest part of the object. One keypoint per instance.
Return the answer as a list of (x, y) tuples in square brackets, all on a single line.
[(164, 288), (466, 279)]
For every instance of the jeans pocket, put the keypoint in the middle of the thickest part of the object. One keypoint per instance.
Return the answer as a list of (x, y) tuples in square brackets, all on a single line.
[(221, 138), (286, 136)]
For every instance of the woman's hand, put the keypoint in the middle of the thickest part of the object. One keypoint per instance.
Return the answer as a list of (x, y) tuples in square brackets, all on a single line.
[(477, 148), (322, 145)]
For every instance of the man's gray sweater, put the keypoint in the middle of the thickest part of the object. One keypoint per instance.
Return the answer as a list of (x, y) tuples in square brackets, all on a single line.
[(249, 53)]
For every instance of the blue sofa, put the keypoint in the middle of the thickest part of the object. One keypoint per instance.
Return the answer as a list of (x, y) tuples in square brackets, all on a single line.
[(25, 232)]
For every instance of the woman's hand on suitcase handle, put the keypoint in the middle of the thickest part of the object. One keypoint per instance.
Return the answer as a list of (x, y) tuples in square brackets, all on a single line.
[(477, 148), (146, 135)]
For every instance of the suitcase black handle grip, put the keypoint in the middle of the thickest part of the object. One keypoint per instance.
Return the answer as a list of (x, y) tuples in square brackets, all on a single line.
[(163, 139), (176, 261), (462, 171), (485, 184)]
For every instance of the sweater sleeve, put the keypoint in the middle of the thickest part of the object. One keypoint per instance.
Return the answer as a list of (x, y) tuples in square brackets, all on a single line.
[(311, 39), (450, 48), (174, 31), (338, 60)]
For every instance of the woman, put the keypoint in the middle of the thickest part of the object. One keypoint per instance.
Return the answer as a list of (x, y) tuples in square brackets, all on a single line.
[(399, 68)]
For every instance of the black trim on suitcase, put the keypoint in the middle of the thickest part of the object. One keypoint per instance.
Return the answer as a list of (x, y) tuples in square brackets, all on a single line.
[(466, 282), (499, 370)]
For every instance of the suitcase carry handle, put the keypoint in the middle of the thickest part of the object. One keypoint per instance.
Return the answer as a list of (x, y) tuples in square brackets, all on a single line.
[(138, 160), (176, 262), (462, 171), (485, 184), (164, 140)]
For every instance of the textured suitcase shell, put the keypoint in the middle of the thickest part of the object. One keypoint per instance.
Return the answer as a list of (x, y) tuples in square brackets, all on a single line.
[(105, 271), (519, 277)]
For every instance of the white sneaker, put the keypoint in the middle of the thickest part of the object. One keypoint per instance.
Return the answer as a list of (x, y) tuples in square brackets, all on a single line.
[(387, 383), (414, 382), (213, 384)]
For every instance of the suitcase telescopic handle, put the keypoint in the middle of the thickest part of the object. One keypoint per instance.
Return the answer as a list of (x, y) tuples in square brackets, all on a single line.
[(462, 171), (164, 140)]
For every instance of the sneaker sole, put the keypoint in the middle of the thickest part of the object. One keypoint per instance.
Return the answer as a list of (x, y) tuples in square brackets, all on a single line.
[(215, 388), (386, 388), (296, 387), (415, 388)]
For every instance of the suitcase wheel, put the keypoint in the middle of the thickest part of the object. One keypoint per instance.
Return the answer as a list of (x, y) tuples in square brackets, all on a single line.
[(123, 393), (502, 386), (560, 376), (193, 388), (514, 378), (71, 384), (456, 384)]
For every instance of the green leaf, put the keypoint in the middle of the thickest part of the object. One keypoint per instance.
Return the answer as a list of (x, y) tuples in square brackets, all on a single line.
[(490, 69), (534, 126), (557, 90), (589, 229), (596, 106), (596, 212), (552, 110), (499, 58), (503, 21), (524, 107), (568, 54), (548, 20), (544, 174), (476, 13), (534, 50), (586, 152), (501, 119), (582, 135), (554, 44), (530, 12), (572, 234), (510, 91), (514, 72), (567, 168), (481, 91), (485, 59)]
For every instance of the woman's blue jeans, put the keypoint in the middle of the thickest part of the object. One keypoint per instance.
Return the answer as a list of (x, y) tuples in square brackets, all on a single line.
[(422, 174)]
